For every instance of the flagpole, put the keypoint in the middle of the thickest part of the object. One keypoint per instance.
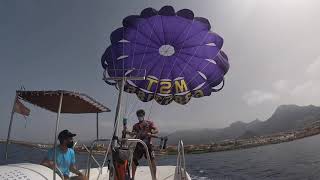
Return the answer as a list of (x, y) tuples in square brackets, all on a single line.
[(10, 126)]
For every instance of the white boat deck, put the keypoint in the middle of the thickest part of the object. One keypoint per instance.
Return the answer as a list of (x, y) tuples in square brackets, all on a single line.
[(28, 171), (143, 172)]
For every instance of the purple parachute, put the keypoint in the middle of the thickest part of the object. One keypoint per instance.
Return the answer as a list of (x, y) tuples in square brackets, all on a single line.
[(181, 56)]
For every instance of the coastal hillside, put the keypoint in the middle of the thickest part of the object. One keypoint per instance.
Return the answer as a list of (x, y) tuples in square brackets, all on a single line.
[(285, 118), (289, 117)]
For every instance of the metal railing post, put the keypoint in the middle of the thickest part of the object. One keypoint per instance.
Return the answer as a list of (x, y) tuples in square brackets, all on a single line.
[(90, 156), (55, 136), (181, 160), (97, 124), (153, 175)]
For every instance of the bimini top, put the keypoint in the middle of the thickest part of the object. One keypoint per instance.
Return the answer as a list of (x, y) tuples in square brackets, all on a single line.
[(72, 102)]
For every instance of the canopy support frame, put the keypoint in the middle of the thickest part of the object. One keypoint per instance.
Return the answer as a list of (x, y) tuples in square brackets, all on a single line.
[(97, 125), (28, 95), (55, 137)]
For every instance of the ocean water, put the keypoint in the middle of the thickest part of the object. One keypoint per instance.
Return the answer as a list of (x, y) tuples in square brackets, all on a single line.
[(296, 160)]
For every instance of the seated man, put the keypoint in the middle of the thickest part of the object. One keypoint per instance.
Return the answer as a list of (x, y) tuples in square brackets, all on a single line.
[(143, 130), (65, 156)]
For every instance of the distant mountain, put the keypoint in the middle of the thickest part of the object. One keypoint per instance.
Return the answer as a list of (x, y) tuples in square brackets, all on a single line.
[(289, 117), (248, 134), (285, 118), (193, 136)]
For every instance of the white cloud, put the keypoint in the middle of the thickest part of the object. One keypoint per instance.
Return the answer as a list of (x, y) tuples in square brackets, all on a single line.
[(308, 90), (313, 70), (281, 85), (302, 89), (256, 97)]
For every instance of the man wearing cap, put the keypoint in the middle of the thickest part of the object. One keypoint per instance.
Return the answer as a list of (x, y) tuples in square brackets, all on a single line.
[(144, 130), (65, 156)]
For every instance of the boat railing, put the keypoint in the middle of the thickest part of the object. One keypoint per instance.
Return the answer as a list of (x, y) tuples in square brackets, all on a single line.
[(60, 173), (91, 157), (181, 162), (153, 174)]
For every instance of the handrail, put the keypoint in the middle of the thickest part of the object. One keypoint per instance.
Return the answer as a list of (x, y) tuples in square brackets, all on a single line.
[(90, 156), (85, 147), (60, 173), (153, 175), (183, 161), (105, 159)]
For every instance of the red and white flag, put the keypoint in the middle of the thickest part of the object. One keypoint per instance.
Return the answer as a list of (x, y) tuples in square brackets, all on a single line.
[(21, 108)]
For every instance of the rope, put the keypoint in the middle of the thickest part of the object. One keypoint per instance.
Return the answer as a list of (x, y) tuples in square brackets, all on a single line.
[(143, 57), (175, 59)]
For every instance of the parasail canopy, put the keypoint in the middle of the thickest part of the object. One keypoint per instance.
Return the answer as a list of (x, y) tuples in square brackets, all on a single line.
[(179, 52)]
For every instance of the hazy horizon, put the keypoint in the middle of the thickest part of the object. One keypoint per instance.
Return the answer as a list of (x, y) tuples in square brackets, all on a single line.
[(47, 45)]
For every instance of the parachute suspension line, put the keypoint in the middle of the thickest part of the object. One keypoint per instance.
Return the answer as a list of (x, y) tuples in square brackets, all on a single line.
[(131, 113), (112, 57), (144, 51), (179, 52), (196, 74), (155, 91), (126, 106), (174, 61), (139, 105), (188, 61), (127, 113), (150, 110), (133, 105), (194, 53), (124, 109), (134, 47)]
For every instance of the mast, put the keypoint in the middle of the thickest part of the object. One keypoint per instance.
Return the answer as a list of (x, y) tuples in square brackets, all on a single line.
[(118, 109), (120, 81)]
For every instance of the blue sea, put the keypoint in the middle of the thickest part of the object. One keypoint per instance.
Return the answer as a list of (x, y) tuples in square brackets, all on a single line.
[(296, 160)]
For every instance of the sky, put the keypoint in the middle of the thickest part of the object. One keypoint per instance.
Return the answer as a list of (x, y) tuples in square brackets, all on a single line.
[(272, 45)]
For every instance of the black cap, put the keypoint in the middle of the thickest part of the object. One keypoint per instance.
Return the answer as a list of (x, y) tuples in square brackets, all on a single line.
[(65, 134), (140, 112)]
